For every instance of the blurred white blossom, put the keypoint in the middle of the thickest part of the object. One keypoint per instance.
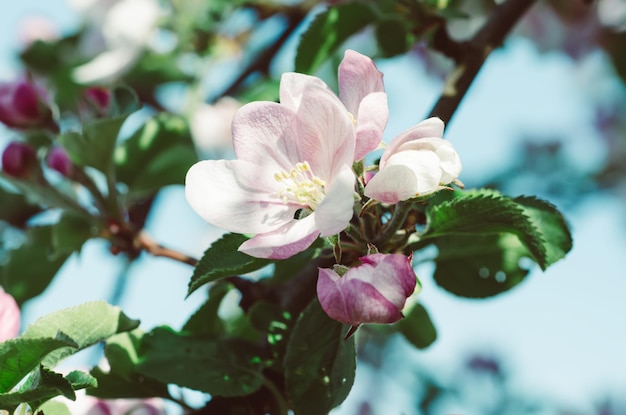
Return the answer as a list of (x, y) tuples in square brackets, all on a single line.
[(211, 127), (127, 27)]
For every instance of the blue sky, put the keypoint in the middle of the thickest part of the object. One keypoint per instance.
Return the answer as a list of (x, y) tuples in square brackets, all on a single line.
[(560, 332)]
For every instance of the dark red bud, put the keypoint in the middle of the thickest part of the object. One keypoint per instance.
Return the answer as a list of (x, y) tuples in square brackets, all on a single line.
[(22, 105), (98, 99), (59, 160), (18, 159)]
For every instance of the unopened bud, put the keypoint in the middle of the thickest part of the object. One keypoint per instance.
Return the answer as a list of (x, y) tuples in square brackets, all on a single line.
[(23, 106), (97, 100), (18, 159), (59, 160)]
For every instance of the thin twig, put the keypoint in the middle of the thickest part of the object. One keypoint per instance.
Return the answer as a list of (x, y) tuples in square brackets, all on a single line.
[(490, 36), (149, 245)]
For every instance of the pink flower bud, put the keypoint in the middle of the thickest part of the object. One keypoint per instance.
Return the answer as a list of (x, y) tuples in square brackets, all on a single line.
[(22, 105), (59, 160), (18, 159), (373, 292), (9, 316), (97, 100)]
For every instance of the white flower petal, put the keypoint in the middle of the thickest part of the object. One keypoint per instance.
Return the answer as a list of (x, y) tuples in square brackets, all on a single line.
[(432, 127), (334, 213), (236, 196)]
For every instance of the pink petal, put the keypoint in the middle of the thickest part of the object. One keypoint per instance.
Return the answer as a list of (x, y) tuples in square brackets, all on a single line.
[(371, 122), (432, 127), (334, 213), (237, 196), (9, 316), (259, 135), (290, 239), (373, 292), (323, 132), (358, 77), (292, 86)]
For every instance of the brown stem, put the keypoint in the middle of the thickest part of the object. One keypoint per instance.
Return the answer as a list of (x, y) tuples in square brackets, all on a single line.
[(490, 36), (149, 245), (262, 61)]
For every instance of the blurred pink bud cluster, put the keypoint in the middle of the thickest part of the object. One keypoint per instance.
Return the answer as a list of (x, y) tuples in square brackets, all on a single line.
[(23, 106)]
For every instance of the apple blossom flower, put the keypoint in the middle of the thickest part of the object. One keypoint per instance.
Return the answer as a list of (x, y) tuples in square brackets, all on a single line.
[(416, 163), (373, 292), (19, 160), (9, 316), (211, 126), (22, 105), (292, 180)]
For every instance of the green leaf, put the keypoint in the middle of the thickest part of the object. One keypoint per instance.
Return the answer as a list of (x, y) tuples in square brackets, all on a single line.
[(29, 269), (15, 209), (480, 266), (206, 321), (157, 155), (276, 323), (394, 37), (95, 146), (42, 385), (71, 232), (418, 328), (87, 324), (551, 224), (222, 260), (319, 365), (328, 31), (485, 212), (229, 367), (81, 380), (19, 356), (122, 380)]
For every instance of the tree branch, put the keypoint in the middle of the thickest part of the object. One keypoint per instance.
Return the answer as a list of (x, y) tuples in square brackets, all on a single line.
[(262, 61), (476, 51)]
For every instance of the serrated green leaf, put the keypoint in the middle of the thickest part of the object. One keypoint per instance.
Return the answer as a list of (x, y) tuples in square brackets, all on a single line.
[(42, 385), (20, 356), (319, 365), (21, 275), (87, 324), (157, 155), (418, 328), (230, 367), (484, 212), (81, 380), (551, 224), (480, 266), (205, 321), (122, 380), (328, 31), (222, 260)]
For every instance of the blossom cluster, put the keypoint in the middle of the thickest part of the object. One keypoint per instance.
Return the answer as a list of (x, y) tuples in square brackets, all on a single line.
[(301, 173)]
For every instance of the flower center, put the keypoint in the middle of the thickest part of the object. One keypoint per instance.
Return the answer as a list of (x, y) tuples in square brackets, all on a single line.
[(300, 186)]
